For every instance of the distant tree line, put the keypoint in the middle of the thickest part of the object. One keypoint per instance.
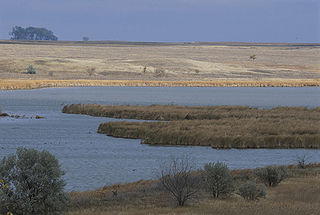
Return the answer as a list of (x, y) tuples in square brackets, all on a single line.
[(31, 33)]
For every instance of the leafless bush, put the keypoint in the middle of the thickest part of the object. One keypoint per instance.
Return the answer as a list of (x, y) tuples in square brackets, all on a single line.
[(301, 161), (50, 74), (177, 178), (91, 71)]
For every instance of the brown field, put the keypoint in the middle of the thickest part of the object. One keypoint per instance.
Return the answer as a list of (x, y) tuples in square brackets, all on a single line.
[(298, 195), (157, 64), (215, 126)]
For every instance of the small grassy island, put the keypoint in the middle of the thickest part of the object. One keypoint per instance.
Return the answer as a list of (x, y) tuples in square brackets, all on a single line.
[(215, 126)]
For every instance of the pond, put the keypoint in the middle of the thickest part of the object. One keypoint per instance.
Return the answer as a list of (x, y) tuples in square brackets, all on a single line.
[(93, 160)]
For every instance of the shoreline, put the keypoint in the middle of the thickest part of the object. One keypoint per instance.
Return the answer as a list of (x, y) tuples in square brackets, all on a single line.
[(26, 84), (147, 197)]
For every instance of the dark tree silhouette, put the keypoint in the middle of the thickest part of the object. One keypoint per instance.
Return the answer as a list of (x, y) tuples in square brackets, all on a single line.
[(31, 33)]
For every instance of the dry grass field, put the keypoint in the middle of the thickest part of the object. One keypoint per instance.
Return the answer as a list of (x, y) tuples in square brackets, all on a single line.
[(298, 195), (216, 64)]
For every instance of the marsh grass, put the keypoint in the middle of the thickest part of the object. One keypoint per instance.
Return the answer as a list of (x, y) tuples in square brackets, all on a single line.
[(215, 126), (18, 84)]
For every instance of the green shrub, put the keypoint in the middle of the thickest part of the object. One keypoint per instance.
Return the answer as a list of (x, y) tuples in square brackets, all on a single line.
[(272, 175), (251, 191), (218, 179), (34, 183), (31, 70)]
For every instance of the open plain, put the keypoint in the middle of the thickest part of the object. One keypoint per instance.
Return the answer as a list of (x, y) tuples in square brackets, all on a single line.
[(63, 64)]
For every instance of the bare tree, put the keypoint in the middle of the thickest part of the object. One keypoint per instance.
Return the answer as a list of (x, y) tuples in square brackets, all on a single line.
[(177, 178)]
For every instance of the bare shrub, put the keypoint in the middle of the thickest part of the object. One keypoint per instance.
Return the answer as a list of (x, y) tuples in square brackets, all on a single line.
[(301, 160), (251, 191), (272, 175), (50, 74), (218, 179), (91, 71), (177, 178)]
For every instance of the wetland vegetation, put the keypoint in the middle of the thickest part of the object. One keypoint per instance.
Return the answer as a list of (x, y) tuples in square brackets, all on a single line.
[(215, 126)]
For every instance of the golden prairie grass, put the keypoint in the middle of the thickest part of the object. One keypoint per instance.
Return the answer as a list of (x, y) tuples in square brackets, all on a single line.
[(12, 84), (296, 195), (180, 65), (215, 126)]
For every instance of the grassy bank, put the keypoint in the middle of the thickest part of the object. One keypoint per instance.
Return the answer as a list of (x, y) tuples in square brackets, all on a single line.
[(215, 126), (19, 84), (297, 195)]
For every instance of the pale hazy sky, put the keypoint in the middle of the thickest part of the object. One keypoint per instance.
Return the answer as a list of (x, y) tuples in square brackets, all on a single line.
[(168, 20)]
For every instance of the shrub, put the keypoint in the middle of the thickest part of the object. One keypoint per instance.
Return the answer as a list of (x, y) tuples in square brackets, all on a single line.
[(272, 175), (301, 160), (177, 178), (251, 191), (31, 70), (91, 71), (218, 179), (34, 183)]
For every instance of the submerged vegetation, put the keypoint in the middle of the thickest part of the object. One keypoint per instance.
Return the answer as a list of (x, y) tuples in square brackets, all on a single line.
[(215, 126)]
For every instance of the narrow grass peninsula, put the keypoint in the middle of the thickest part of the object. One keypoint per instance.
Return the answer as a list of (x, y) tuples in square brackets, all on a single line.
[(216, 126)]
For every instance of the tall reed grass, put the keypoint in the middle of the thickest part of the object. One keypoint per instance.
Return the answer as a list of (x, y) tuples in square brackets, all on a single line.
[(18, 84), (215, 126)]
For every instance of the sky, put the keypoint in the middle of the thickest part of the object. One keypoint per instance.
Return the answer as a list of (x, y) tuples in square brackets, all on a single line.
[(168, 20)]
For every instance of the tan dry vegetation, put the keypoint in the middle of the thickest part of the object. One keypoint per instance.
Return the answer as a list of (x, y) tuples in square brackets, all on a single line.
[(15, 84), (296, 195), (180, 65), (215, 126)]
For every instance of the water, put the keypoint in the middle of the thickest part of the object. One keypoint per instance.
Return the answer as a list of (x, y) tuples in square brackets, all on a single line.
[(93, 160)]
